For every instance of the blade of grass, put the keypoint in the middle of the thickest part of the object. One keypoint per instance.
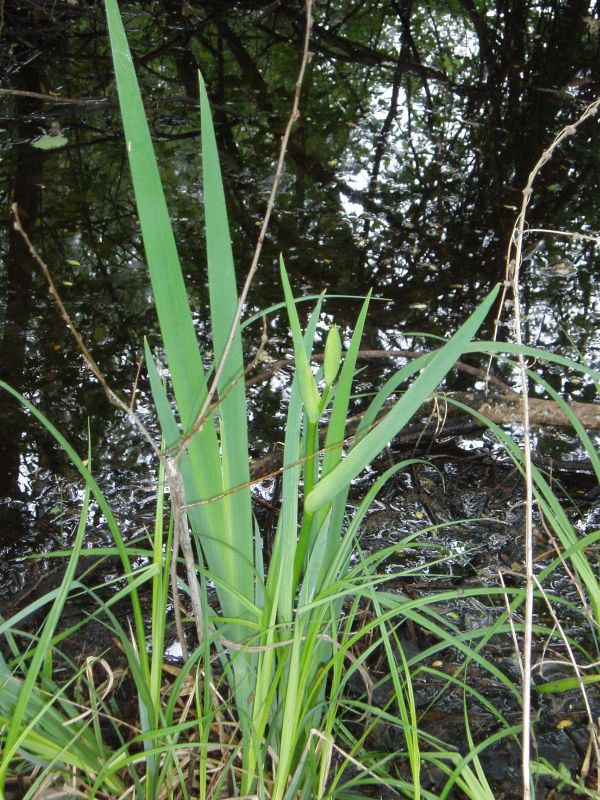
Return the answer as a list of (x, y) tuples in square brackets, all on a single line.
[(168, 287), (17, 729), (98, 496), (233, 417)]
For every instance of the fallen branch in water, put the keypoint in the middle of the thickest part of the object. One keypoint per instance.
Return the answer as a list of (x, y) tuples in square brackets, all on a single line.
[(503, 409)]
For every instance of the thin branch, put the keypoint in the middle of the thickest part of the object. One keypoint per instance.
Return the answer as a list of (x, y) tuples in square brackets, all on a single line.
[(592, 727), (279, 471), (176, 451), (575, 235), (181, 535), (113, 398), (53, 98), (135, 383), (511, 623)]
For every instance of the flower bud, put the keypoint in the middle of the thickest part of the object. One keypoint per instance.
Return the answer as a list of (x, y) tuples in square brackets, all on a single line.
[(333, 355)]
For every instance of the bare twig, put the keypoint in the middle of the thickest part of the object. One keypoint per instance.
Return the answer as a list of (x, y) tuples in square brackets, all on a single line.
[(54, 98), (593, 728), (511, 623), (89, 359), (181, 535), (182, 538), (358, 764), (177, 450), (571, 573), (175, 547), (135, 383), (575, 235), (323, 637), (280, 470), (514, 256)]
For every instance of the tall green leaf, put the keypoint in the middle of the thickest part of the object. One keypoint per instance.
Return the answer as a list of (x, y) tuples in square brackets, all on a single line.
[(159, 243), (233, 417), (284, 549)]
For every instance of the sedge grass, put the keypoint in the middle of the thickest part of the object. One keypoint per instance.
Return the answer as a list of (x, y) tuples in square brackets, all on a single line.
[(266, 710)]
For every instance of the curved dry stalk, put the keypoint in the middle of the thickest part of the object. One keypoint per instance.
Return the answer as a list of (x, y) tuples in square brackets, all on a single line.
[(177, 450), (511, 622), (575, 235), (514, 260), (181, 536), (330, 744), (280, 470), (112, 398)]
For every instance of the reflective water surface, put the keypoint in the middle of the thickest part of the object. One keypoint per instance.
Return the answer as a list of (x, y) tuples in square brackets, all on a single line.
[(419, 126)]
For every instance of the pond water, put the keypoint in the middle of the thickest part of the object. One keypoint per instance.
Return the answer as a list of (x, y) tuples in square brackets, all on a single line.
[(417, 133), (418, 129), (419, 126)]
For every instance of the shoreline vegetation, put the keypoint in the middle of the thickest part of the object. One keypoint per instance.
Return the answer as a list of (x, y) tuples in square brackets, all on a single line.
[(274, 695)]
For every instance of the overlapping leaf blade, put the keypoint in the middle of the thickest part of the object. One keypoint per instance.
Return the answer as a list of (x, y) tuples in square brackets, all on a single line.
[(211, 467), (223, 306), (374, 442)]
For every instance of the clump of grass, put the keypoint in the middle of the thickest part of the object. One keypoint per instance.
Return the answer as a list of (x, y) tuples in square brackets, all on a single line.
[(261, 707)]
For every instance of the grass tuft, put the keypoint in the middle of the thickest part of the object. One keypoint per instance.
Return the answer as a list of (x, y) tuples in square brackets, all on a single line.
[(275, 698)]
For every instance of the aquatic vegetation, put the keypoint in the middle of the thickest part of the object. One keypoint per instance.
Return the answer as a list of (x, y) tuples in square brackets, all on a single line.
[(265, 704)]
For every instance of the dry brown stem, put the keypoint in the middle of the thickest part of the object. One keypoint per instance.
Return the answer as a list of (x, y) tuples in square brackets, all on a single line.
[(592, 726), (53, 98), (514, 260), (181, 536)]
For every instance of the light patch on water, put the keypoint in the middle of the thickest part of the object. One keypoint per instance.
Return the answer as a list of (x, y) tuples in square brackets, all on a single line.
[(174, 651)]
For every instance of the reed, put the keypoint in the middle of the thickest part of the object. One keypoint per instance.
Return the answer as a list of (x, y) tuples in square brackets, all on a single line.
[(268, 712)]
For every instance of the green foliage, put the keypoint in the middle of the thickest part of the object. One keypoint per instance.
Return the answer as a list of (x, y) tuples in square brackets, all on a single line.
[(288, 636)]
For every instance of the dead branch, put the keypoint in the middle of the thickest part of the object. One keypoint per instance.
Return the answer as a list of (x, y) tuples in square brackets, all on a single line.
[(502, 409), (54, 98)]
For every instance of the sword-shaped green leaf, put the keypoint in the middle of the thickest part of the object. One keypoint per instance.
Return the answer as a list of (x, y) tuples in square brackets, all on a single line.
[(233, 416), (374, 442), (205, 475)]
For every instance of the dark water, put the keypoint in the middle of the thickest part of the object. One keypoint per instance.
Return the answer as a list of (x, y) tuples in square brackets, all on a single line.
[(420, 123)]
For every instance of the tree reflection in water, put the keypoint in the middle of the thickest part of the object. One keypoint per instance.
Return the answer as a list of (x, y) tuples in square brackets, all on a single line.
[(420, 123)]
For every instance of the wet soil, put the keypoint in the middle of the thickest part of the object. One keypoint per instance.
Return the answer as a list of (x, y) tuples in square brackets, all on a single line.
[(471, 505)]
